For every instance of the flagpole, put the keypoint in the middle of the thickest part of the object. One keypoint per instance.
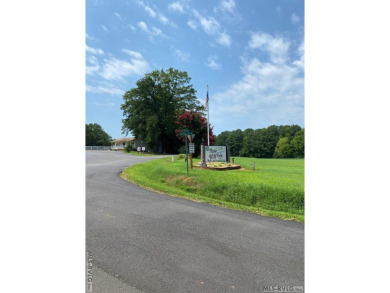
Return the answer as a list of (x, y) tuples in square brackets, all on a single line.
[(208, 117)]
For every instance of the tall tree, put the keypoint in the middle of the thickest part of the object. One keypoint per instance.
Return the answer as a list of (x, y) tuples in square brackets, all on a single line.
[(96, 136), (152, 108)]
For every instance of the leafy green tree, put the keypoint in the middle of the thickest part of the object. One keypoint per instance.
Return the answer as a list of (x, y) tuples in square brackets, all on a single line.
[(151, 109), (288, 147), (269, 139), (288, 131), (235, 140), (298, 144), (96, 136), (261, 143), (283, 148), (244, 150), (254, 143), (221, 138)]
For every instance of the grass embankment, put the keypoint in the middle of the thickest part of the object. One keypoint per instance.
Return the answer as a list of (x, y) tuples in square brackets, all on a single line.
[(275, 188)]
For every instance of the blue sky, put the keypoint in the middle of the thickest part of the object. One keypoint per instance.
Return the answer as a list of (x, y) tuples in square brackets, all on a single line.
[(250, 53)]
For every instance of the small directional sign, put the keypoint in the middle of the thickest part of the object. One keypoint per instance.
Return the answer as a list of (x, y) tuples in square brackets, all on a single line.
[(192, 148), (185, 132)]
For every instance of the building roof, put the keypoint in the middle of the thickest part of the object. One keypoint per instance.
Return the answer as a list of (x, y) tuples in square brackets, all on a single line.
[(124, 139)]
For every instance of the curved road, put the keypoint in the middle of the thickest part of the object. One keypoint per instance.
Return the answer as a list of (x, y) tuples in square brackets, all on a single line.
[(142, 241)]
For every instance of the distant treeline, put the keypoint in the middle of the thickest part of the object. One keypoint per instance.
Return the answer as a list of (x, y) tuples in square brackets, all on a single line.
[(272, 142)]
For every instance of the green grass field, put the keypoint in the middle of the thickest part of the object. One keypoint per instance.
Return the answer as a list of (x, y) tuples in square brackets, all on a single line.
[(275, 188)]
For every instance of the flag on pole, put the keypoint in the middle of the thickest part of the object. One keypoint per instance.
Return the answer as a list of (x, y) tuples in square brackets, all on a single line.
[(206, 103), (206, 106)]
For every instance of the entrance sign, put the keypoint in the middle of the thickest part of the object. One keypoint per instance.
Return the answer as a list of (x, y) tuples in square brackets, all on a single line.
[(215, 153)]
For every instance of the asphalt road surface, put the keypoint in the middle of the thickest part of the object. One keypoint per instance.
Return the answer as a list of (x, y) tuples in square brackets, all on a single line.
[(142, 241)]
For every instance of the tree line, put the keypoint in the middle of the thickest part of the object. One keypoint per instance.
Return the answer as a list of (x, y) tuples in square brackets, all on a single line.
[(287, 141), (96, 136)]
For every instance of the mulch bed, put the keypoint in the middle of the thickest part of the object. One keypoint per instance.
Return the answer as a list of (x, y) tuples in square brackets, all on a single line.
[(224, 168)]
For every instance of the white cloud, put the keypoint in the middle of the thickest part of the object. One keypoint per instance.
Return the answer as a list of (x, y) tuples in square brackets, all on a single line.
[(150, 11), (183, 56), (192, 24), (104, 28), (268, 92), (211, 27), (224, 39), (227, 5), (115, 69), (143, 26), (212, 63), (133, 54), (153, 32), (89, 37), (163, 19), (294, 18), (227, 12), (154, 14), (277, 47), (176, 6), (209, 24), (92, 65), (118, 16), (103, 90), (91, 59), (301, 52), (93, 50)]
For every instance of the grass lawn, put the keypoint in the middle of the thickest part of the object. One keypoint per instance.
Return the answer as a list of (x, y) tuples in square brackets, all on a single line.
[(146, 154), (275, 188)]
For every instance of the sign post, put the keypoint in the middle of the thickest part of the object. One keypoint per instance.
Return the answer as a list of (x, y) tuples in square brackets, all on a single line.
[(187, 154), (192, 147), (186, 133)]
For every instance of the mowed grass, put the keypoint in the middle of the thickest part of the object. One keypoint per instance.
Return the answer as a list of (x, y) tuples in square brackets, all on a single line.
[(134, 153), (275, 188)]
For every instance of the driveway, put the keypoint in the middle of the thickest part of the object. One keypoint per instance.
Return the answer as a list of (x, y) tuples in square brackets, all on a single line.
[(142, 241)]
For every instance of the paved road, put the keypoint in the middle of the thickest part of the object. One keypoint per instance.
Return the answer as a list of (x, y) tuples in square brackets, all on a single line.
[(143, 241)]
